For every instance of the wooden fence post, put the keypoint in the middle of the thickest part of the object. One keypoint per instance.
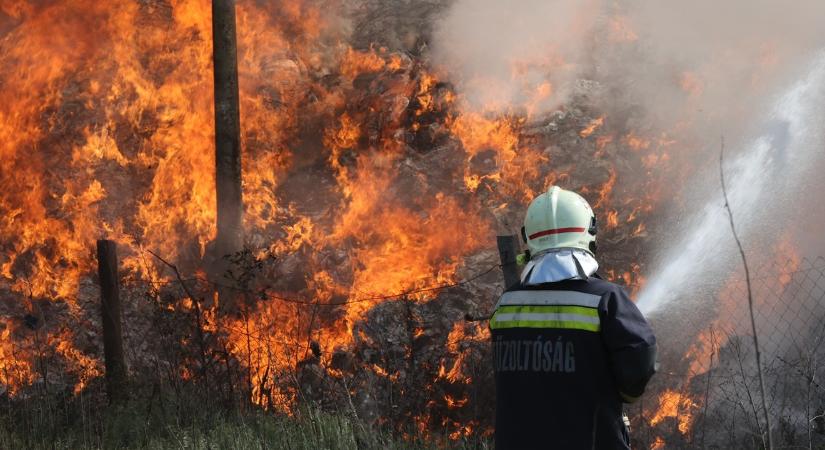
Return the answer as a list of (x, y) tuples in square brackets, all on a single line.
[(114, 360), (508, 250)]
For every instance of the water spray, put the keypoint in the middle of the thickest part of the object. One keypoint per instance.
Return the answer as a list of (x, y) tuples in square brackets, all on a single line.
[(784, 148)]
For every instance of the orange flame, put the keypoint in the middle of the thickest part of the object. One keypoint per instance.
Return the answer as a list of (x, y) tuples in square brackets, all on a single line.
[(110, 135), (591, 127), (675, 405)]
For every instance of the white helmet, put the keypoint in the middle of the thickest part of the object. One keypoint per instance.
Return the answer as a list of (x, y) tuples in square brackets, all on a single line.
[(559, 219)]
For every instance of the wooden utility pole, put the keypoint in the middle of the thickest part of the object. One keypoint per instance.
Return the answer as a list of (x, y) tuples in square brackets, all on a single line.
[(116, 387), (227, 129), (508, 250)]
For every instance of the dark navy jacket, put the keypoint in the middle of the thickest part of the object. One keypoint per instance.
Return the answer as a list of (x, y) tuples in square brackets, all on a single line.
[(566, 354)]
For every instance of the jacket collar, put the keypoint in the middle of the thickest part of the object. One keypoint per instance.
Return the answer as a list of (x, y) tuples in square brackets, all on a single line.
[(558, 265)]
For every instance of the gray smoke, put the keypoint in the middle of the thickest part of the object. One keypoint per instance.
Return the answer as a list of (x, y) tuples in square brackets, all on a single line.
[(502, 53), (675, 58), (696, 70)]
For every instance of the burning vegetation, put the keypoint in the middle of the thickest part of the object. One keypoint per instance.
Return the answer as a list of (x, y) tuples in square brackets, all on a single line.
[(372, 194)]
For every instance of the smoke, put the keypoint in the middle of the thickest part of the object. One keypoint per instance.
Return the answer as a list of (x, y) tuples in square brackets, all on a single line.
[(691, 70), (513, 54), (703, 61)]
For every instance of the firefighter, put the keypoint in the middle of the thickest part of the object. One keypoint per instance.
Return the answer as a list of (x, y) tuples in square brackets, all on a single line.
[(569, 347)]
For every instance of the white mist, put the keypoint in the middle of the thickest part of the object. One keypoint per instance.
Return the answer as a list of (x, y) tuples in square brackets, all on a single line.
[(768, 168)]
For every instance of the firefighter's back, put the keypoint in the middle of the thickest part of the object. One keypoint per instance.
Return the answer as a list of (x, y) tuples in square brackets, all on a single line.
[(555, 388), (569, 347)]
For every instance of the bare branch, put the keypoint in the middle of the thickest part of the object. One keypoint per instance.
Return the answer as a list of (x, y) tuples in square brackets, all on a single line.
[(769, 443), (198, 314)]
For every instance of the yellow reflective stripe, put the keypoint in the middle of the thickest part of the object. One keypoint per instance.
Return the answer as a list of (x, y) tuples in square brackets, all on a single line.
[(580, 310), (546, 316)]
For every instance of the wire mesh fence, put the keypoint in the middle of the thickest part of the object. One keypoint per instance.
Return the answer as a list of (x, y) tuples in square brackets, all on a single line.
[(418, 367), (707, 395)]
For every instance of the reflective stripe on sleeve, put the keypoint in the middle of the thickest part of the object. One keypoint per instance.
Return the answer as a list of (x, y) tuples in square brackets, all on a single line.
[(540, 297), (563, 317)]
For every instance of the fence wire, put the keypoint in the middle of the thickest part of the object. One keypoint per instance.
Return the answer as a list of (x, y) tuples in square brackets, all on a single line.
[(706, 394)]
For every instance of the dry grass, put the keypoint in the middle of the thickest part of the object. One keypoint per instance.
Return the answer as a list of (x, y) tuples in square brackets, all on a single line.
[(73, 424)]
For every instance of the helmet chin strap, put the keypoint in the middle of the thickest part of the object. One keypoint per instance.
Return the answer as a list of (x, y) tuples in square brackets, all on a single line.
[(594, 226), (594, 229)]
